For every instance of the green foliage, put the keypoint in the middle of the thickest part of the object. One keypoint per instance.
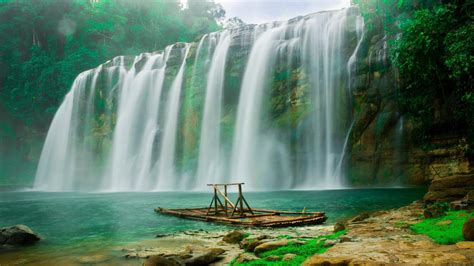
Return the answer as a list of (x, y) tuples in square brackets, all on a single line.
[(434, 57), (47, 43), (441, 230), (431, 45), (313, 246)]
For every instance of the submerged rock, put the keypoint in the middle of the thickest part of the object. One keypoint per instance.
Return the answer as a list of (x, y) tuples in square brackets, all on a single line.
[(234, 237), (468, 229), (18, 235), (93, 259)]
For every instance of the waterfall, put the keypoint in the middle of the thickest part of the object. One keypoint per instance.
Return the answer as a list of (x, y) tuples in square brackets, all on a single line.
[(322, 52), (268, 105), (210, 160), (166, 172), (246, 151), (137, 119)]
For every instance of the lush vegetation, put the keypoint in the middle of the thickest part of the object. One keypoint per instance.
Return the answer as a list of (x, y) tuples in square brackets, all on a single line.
[(431, 45), (314, 246), (47, 43), (443, 230)]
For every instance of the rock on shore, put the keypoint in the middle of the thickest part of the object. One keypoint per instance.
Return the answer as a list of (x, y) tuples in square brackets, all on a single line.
[(18, 235)]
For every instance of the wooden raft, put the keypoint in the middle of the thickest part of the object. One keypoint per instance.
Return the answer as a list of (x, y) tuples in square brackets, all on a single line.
[(241, 214)]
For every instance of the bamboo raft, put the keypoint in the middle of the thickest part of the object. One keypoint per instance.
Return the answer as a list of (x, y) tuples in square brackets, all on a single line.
[(239, 215)]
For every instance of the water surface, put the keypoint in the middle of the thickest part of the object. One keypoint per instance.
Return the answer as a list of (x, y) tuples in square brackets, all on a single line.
[(85, 223)]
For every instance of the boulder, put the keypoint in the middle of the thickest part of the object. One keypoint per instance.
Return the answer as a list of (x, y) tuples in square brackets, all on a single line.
[(270, 246), (339, 227), (252, 245), (343, 239), (160, 260), (320, 260), (245, 257), (330, 243), (450, 188), (247, 241), (468, 229), (465, 244), (18, 235), (273, 258), (435, 210), (205, 258), (234, 237)]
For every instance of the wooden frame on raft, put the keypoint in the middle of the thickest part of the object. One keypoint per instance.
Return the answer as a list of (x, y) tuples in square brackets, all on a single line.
[(238, 206)]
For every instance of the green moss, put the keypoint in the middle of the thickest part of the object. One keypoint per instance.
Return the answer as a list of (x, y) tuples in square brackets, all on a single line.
[(314, 246), (401, 224), (441, 230)]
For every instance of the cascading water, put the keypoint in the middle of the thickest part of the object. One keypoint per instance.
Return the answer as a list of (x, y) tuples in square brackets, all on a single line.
[(211, 157), (149, 123)]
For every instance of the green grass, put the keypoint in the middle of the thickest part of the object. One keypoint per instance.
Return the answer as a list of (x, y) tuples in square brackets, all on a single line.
[(313, 246), (443, 234)]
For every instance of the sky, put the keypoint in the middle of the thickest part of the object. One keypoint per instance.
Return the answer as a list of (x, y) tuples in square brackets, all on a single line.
[(261, 11)]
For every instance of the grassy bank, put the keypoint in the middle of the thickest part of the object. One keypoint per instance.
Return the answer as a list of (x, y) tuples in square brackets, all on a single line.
[(444, 230)]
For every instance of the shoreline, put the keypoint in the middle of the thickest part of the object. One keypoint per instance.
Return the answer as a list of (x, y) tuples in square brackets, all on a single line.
[(382, 237)]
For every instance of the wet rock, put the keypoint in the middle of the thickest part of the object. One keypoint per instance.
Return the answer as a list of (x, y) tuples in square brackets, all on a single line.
[(270, 246), (360, 217), (205, 258), (234, 237), (159, 260), (468, 229), (18, 235), (245, 257), (339, 227), (247, 241), (288, 257)]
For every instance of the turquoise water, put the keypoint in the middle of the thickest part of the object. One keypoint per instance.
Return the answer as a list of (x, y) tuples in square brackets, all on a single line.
[(95, 220)]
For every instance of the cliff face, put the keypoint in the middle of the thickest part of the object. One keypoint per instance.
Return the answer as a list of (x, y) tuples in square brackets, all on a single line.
[(20, 147), (376, 141), (384, 148)]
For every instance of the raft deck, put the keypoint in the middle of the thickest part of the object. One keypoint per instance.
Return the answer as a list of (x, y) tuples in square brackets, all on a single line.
[(260, 218), (236, 214)]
